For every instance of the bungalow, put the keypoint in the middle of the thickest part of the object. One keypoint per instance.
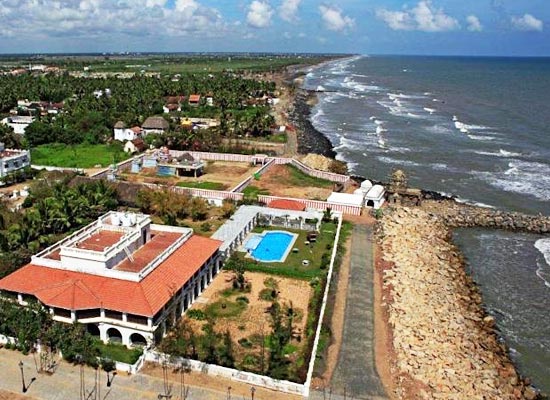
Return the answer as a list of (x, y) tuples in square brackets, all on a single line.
[(123, 134), (122, 277), (168, 108), (155, 125)]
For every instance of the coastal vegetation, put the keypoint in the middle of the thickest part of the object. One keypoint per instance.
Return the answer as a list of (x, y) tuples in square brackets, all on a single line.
[(52, 210)]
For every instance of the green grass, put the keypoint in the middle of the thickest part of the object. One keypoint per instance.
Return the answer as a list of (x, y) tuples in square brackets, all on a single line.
[(292, 267), (118, 352), (298, 178), (77, 156), (252, 191), (225, 309), (203, 185)]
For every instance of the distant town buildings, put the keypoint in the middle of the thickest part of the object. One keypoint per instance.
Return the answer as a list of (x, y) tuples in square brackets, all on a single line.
[(124, 278), (18, 123), (123, 134), (12, 160)]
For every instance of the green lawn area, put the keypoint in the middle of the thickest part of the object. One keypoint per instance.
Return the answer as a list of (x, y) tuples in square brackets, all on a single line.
[(77, 156), (318, 253), (118, 352), (298, 178), (252, 191), (203, 185)]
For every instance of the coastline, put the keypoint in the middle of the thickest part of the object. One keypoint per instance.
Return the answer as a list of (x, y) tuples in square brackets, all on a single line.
[(439, 340), (438, 221)]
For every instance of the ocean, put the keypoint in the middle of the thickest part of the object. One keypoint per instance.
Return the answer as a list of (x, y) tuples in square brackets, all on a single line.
[(476, 128)]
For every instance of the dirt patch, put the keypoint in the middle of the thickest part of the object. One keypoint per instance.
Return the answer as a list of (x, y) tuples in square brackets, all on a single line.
[(5, 395), (255, 319), (277, 180), (197, 379), (228, 173)]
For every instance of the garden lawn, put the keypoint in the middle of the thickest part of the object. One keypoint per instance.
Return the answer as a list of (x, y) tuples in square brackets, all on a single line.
[(118, 352), (292, 267), (77, 156)]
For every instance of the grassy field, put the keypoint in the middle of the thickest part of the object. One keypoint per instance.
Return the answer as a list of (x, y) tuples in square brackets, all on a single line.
[(189, 64), (203, 185), (77, 156), (298, 178)]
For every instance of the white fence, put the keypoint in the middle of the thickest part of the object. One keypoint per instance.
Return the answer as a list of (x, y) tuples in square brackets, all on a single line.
[(315, 204), (229, 373)]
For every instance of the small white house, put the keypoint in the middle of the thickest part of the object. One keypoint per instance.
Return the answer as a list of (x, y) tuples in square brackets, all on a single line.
[(346, 199), (123, 134), (375, 197), (18, 123)]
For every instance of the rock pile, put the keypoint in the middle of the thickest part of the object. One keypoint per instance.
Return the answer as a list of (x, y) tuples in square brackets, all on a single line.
[(460, 215), (445, 346), (317, 161)]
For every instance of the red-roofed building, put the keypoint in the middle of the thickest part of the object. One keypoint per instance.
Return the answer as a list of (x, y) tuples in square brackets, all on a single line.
[(123, 277), (194, 99), (284, 204)]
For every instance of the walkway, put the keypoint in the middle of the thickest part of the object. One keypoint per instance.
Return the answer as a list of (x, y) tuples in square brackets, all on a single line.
[(64, 384), (355, 375)]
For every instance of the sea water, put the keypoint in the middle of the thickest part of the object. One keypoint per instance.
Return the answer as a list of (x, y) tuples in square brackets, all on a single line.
[(477, 128)]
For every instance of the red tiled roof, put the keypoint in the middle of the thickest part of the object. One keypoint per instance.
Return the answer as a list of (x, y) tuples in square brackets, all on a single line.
[(284, 204), (79, 291), (194, 98), (136, 129)]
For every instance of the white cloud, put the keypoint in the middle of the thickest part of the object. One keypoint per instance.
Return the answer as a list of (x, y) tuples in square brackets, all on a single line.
[(527, 23), (259, 14), (474, 25), (289, 9), (334, 20), (424, 17), (108, 19)]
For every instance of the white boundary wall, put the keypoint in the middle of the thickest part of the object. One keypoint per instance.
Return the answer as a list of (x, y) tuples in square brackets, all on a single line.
[(315, 204), (307, 384), (229, 373)]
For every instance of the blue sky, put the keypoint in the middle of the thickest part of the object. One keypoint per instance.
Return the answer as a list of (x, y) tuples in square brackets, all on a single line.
[(442, 27)]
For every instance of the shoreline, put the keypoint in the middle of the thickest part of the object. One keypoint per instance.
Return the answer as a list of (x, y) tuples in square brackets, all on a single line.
[(439, 338), (450, 213)]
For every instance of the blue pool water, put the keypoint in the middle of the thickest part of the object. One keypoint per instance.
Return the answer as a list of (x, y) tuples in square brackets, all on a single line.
[(273, 247)]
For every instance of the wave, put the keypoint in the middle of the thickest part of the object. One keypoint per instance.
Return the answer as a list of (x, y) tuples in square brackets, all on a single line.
[(484, 138), (523, 177), (405, 96), (389, 160), (543, 245), (430, 110), (500, 153)]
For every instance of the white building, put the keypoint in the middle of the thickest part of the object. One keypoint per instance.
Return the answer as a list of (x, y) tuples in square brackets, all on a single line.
[(18, 123), (125, 279), (123, 134), (12, 160), (375, 197)]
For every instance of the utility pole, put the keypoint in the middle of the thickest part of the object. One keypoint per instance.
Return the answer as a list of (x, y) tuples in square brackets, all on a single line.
[(252, 391)]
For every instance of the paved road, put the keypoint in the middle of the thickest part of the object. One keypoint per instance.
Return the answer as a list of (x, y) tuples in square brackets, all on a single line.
[(355, 375)]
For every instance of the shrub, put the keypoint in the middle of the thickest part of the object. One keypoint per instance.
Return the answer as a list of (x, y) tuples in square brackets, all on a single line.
[(244, 299), (199, 315), (206, 227), (268, 294)]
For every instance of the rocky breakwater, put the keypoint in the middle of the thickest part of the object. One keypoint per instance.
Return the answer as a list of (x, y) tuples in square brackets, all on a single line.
[(458, 215), (443, 345), (310, 140)]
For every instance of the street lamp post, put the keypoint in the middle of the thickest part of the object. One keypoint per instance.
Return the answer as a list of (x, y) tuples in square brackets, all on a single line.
[(24, 387)]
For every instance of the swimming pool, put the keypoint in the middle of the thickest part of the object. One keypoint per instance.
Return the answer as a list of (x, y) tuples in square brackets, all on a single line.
[(274, 246)]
